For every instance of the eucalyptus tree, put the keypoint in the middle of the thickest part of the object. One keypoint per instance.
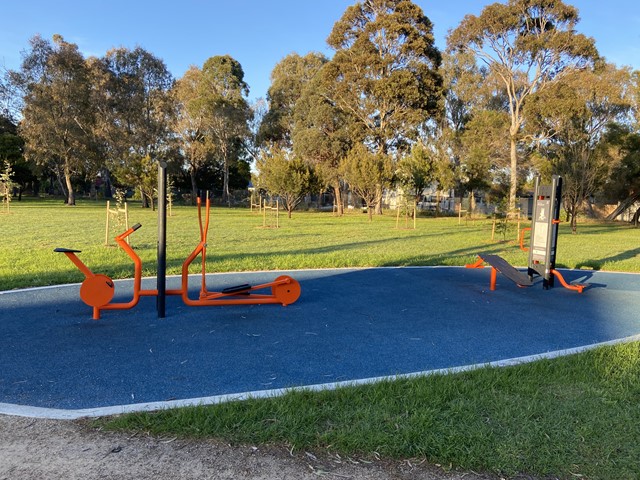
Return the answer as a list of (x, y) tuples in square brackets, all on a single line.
[(384, 73), (417, 170), (223, 92), (366, 172), (136, 110), (623, 184), (525, 44), (572, 117), (286, 176), (288, 80), (191, 125), (485, 150), (57, 115), (323, 134)]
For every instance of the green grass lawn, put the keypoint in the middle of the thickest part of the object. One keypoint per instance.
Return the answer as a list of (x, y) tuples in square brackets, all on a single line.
[(307, 240), (573, 417)]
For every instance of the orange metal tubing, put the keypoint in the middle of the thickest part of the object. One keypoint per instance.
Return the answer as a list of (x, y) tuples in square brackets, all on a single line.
[(78, 263), (137, 277), (578, 288), (522, 247)]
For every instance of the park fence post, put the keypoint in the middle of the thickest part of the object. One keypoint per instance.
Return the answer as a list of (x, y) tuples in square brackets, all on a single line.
[(162, 239)]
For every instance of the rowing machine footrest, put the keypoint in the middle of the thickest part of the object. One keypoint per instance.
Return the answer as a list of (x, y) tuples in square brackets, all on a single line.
[(237, 289), (66, 250)]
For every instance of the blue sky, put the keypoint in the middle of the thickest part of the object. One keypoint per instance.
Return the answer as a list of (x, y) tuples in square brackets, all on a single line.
[(257, 33)]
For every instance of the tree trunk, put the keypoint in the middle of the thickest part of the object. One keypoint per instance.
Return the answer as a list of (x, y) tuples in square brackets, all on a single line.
[(225, 178), (194, 186), (513, 184), (337, 198), (71, 196), (636, 218), (378, 205)]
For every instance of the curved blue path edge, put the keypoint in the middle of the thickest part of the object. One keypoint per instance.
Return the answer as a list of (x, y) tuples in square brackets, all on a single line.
[(349, 326)]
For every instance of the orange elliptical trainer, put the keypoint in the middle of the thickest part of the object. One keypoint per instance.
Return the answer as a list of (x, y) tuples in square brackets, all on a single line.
[(97, 290)]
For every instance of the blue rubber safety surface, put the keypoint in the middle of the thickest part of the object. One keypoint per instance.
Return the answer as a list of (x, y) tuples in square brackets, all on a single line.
[(348, 324)]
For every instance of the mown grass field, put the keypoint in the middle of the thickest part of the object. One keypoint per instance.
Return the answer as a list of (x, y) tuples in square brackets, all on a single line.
[(308, 240), (573, 417)]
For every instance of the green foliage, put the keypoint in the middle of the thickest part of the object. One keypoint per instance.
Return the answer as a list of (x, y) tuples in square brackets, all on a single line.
[(525, 44), (223, 91), (288, 80), (385, 70), (572, 117), (58, 120), (367, 173), (416, 171), (6, 186), (286, 177)]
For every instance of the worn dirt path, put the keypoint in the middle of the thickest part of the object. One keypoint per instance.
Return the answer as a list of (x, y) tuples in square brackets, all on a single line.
[(50, 449)]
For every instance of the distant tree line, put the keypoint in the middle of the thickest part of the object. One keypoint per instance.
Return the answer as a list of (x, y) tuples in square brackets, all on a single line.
[(517, 92)]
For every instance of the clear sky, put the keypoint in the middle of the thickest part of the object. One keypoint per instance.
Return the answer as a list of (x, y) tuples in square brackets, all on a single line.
[(257, 33)]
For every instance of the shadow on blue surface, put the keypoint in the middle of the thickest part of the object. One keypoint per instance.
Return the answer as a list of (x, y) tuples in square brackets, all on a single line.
[(347, 325)]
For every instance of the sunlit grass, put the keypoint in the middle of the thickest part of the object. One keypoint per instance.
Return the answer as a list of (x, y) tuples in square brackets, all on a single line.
[(237, 242)]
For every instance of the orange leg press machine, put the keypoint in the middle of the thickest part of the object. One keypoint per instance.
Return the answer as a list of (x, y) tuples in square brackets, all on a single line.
[(544, 239), (97, 290)]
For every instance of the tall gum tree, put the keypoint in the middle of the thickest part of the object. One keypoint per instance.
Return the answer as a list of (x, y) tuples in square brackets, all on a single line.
[(224, 92), (288, 80), (525, 44), (323, 135), (573, 117), (57, 115), (190, 126), (384, 73), (136, 110)]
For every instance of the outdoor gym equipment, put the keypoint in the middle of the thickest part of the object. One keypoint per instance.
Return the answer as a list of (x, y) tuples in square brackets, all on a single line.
[(544, 239), (97, 290)]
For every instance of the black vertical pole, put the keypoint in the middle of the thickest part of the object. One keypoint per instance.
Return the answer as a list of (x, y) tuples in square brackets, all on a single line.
[(162, 238)]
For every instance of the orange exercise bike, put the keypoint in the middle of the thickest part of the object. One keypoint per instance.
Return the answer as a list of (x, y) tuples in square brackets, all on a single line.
[(97, 290)]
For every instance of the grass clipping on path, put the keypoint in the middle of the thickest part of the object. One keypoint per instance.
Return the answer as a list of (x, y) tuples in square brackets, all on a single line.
[(567, 417)]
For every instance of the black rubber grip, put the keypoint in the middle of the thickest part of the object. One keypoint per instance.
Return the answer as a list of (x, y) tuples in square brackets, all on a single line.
[(136, 226)]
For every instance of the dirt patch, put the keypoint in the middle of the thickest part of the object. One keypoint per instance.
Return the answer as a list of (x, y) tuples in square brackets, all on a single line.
[(37, 449)]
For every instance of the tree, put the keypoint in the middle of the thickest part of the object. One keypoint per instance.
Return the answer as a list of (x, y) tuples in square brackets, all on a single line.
[(135, 108), (385, 71), (191, 125), (322, 135), (416, 171), (525, 44), (12, 151), (623, 184), (58, 118), (223, 91), (572, 116), (288, 79), (484, 148), (367, 173), (286, 176)]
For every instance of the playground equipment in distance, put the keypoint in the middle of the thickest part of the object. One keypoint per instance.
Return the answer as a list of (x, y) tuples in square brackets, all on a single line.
[(544, 240)]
